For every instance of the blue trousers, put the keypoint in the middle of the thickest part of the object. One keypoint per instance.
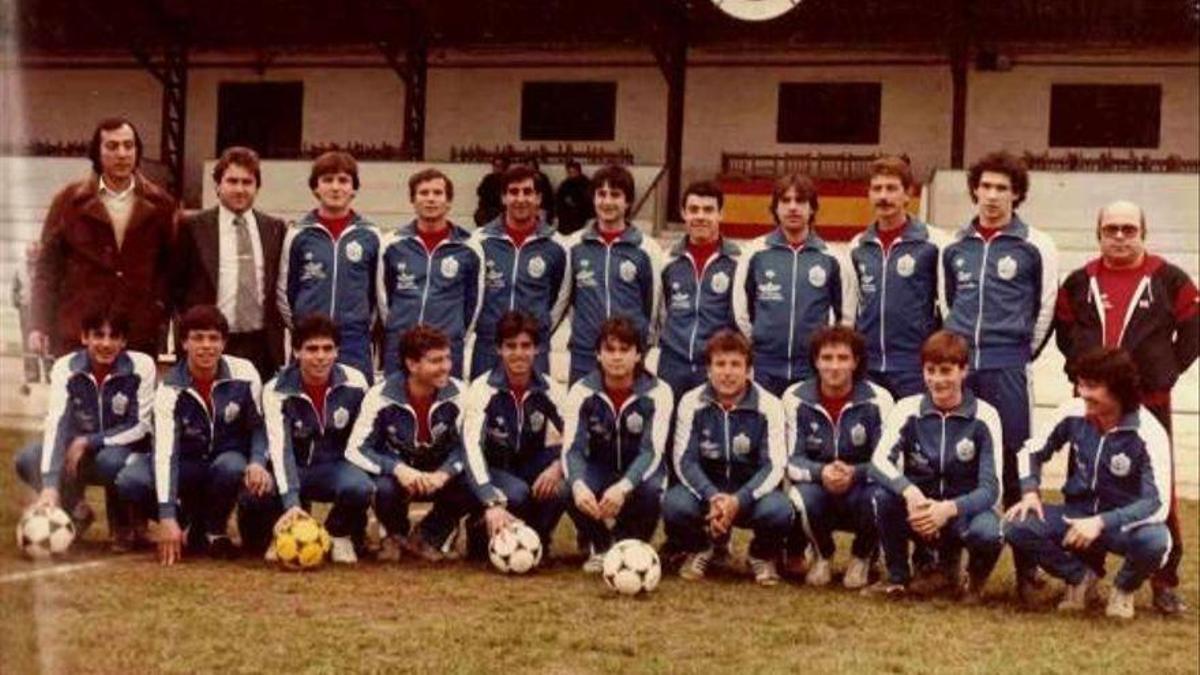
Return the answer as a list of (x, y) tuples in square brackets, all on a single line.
[(541, 515), (348, 488), (1144, 548), (638, 516), (582, 363), (819, 514), (980, 536), (679, 374), (355, 351), (450, 504), (899, 383), (99, 468), (776, 384), (769, 518)]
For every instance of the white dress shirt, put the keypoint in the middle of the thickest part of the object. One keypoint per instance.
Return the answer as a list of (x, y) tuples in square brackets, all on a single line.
[(227, 270), (119, 206)]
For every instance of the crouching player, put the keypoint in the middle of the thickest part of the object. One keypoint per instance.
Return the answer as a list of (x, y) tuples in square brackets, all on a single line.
[(833, 424), (309, 409), (1118, 480), (729, 457), (938, 462), (615, 423), (513, 418), (209, 444), (408, 437), (100, 401)]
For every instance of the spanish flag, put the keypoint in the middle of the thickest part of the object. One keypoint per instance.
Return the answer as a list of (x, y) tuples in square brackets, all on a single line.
[(843, 212)]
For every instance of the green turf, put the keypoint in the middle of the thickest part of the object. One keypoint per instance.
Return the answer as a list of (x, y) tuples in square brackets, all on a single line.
[(134, 616)]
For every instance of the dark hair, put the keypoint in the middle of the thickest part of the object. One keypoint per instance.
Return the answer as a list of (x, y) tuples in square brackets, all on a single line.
[(419, 340), (945, 347), (894, 166), (515, 174), (97, 319), (515, 322), (617, 177), (1004, 163), (112, 124), (334, 161), (572, 164), (315, 325), (622, 330), (1114, 369), (839, 335), (703, 188), (243, 157), (728, 340), (805, 189), (203, 317), (426, 175)]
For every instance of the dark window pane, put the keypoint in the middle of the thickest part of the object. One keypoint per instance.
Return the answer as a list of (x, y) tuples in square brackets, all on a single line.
[(829, 112), (568, 111), (1105, 116), (265, 116)]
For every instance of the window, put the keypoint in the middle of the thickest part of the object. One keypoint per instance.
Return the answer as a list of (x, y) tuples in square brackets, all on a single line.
[(568, 111), (1105, 115), (829, 112), (265, 116)]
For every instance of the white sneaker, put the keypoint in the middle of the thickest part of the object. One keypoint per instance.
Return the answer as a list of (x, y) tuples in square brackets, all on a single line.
[(765, 573), (1120, 604), (696, 565), (819, 574), (343, 551), (857, 573), (594, 564), (1077, 596)]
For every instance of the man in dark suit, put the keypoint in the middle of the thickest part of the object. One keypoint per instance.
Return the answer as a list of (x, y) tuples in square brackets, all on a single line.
[(228, 256)]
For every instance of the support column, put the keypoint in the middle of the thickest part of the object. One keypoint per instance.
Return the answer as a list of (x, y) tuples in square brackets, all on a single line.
[(415, 77), (174, 116)]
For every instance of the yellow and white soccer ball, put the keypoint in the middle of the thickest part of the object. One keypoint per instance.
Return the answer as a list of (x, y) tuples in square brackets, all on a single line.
[(516, 549), (45, 531), (301, 544), (631, 567)]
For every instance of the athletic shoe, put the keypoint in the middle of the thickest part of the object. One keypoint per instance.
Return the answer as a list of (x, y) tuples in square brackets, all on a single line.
[(885, 589), (1078, 595), (933, 581), (696, 565), (594, 564), (765, 573), (971, 591), (1167, 601), (272, 555), (222, 548), (390, 548), (343, 551), (857, 573), (1120, 604), (795, 565), (83, 516), (819, 574), (416, 545)]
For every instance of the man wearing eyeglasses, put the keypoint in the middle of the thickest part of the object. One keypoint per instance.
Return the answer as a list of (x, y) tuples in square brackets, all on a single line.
[(1133, 300)]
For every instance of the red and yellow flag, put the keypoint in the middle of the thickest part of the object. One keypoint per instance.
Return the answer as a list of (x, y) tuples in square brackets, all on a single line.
[(843, 212)]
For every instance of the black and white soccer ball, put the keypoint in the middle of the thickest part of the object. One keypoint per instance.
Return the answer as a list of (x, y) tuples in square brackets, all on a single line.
[(45, 531), (516, 549), (631, 567)]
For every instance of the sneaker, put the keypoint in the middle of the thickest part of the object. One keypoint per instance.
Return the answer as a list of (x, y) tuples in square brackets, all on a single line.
[(696, 565), (123, 539), (933, 581), (416, 545), (83, 516), (885, 589), (857, 574), (222, 548), (765, 573), (390, 548), (1168, 602), (343, 551), (272, 555), (971, 592), (819, 574), (1077, 596), (594, 564), (795, 565), (1120, 604)]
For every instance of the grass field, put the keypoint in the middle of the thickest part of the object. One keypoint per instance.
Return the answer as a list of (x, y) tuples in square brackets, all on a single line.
[(127, 614)]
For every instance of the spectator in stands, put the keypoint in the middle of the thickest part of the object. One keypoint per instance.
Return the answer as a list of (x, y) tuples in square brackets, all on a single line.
[(545, 190), (573, 203), (228, 256), (489, 193), (106, 241), (1001, 278), (1133, 300)]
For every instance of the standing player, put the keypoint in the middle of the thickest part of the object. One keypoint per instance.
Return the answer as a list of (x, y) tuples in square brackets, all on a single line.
[(615, 424), (937, 464), (896, 265), (729, 457), (833, 424), (329, 261), (309, 410), (1001, 278), (1118, 479), (614, 270), (513, 418), (1141, 303), (525, 267), (697, 283), (788, 284), (430, 272)]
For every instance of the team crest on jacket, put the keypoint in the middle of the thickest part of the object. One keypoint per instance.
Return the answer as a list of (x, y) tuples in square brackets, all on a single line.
[(120, 403), (719, 283), (537, 267), (1006, 267), (449, 267), (906, 265), (817, 276), (313, 269), (628, 271), (965, 450), (634, 423), (1119, 465), (341, 417), (354, 251), (537, 420), (231, 412), (437, 430), (858, 434), (741, 444)]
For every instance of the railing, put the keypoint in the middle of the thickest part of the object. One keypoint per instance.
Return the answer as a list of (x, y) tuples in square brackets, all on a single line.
[(559, 154), (1107, 162), (831, 166)]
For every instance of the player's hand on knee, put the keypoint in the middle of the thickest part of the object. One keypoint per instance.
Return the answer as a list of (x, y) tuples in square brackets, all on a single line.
[(258, 480), (549, 482), (1030, 502)]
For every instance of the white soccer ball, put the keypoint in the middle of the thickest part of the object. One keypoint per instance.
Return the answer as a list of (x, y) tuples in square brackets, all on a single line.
[(631, 567), (516, 549), (45, 531)]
